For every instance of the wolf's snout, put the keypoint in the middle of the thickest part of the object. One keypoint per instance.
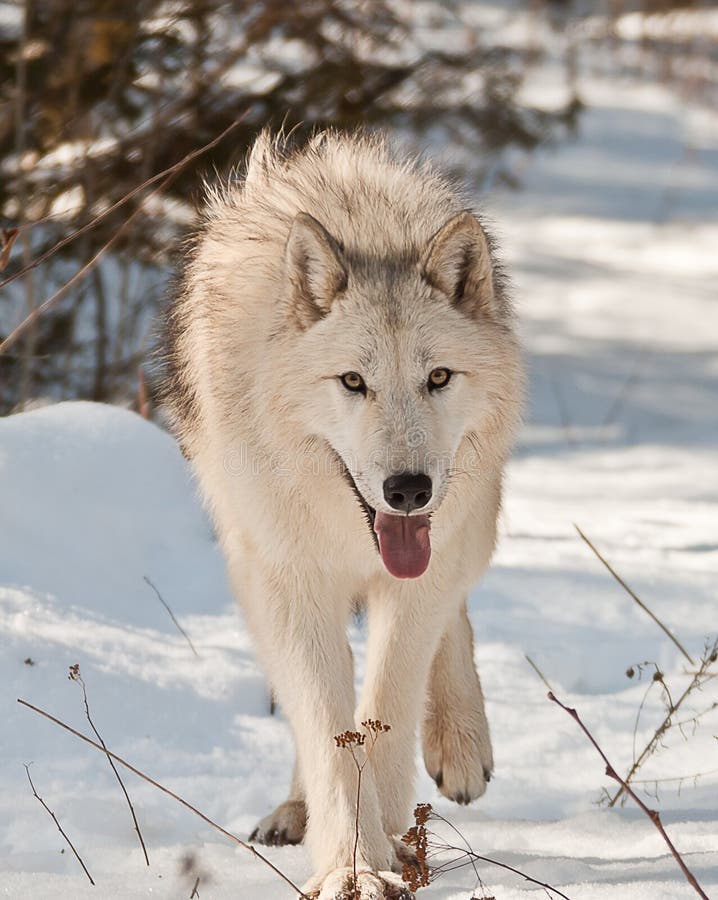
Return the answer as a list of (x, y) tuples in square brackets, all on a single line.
[(407, 491)]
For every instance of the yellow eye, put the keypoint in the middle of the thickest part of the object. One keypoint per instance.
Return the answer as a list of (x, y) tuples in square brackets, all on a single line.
[(353, 381), (439, 378)]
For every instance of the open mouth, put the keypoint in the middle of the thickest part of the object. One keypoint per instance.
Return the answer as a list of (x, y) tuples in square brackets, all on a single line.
[(402, 540)]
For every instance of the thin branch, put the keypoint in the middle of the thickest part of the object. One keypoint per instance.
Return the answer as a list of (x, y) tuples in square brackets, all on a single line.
[(679, 778), (171, 615), (38, 311), (59, 827), (708, 658), (355, 850), (652, 814), (195, 892), (160, 787), (8, 236), (466, 842), (634, 595), (495, 862), (77, 677), (351, 741), (537, 671), (174, 169)]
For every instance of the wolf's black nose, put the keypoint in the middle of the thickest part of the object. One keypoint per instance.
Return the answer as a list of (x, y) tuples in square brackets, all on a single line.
[(407, 491)]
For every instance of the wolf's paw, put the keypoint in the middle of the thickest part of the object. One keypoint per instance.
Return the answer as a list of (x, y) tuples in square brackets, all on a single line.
[(339, 885), (285, 825), (459, 760)]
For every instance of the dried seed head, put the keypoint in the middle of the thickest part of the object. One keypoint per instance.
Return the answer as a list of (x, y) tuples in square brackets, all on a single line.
[(348, 739), (417, 874), (375, 726)]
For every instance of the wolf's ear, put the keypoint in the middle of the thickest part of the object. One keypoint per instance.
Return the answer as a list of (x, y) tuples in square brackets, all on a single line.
[(457, 262), (315, 269)]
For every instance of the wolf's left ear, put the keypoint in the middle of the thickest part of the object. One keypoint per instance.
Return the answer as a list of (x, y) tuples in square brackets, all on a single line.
[(457, 262), (314, 268)]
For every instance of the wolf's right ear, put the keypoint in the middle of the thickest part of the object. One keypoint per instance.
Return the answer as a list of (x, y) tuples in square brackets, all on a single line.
[(315, 270)]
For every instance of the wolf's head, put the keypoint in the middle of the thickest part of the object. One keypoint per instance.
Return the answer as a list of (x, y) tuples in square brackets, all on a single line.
[(411, 370)]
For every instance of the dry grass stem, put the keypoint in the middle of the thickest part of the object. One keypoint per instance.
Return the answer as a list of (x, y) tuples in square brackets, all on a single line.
[(537, 671), (29, 321), (702, 674), (8, 236), (161, 787), (78, 679), (171, 614), (59, 827), (428, 844), (351, 741), (170, 171), (635, 596)]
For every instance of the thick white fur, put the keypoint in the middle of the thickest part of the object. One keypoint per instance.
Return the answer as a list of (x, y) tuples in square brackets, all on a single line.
[(259, 340)]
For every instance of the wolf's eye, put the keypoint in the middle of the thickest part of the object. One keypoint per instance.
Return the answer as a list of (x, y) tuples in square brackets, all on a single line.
[(353, 382), (439, 378)]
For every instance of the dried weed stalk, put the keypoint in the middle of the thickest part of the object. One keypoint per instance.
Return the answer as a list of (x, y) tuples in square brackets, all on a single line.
[(170, 613), (78, 679), (652, 814), (427, 845), (123, 762), (59, 827), (417, 837), (352, 741), (700, 676), (633, 595)]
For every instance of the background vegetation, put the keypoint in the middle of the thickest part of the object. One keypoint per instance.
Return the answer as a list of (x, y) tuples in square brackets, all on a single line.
[(97, 97)]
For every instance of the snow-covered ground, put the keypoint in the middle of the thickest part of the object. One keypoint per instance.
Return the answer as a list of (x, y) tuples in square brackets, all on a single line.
[(612, 245)]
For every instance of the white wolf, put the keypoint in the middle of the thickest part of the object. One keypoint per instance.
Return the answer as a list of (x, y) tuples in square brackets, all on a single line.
[(345, 379)]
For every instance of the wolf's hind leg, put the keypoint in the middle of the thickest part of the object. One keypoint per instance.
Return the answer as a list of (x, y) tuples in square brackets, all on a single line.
[(457, 744), (287, 823)]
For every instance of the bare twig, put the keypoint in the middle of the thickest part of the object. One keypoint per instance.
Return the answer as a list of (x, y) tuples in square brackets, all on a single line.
[(171, 615), (8, 236), (195, 892), (708, 658), (676, 778), (477, 857), (29, 321), (77, 677), (537, 671), (171, 170), (351, 741), (466, 844), (59, 827), (421, 838), (160, 787), (634, 595), (652, 814)]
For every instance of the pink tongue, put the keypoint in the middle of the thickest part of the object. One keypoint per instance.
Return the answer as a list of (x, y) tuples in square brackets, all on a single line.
[(403, 544)]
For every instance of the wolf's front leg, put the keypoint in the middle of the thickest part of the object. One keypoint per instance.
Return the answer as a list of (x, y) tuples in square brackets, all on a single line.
[(302, 641), (457, 744), (406, 621)]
